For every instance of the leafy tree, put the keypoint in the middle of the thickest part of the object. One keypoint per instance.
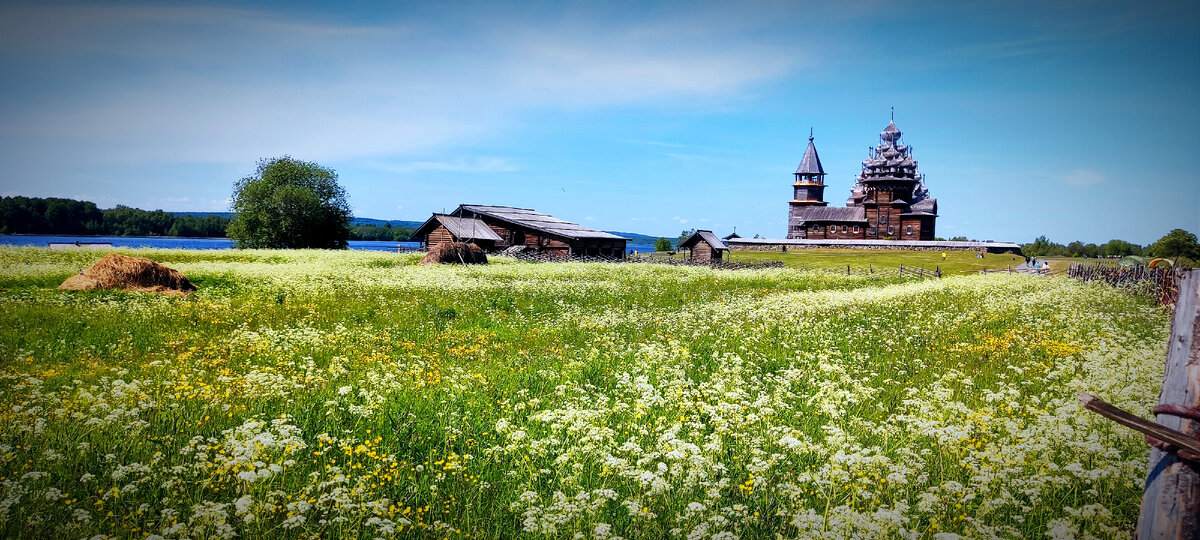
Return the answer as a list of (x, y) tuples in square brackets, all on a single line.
[(683, 236), (662, 244), (290, 203), (1119, 248), (1177, 243)]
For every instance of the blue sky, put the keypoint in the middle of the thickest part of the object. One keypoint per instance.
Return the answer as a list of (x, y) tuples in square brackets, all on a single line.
[(1077, 120)]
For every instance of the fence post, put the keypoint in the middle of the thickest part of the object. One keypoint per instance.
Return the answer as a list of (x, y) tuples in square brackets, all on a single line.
[(939, 271), (847, 269), (871, 267), (1171, 502), (902, 270)]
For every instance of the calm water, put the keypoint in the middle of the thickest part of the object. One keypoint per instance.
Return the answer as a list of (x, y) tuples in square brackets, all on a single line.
[(198, 243)]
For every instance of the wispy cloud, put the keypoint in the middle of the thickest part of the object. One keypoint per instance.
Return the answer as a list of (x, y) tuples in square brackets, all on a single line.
[(1083, 177), (476, 165), (228, 85)]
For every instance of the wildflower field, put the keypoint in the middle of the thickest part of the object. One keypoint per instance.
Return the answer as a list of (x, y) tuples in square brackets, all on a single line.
[(357, 394)]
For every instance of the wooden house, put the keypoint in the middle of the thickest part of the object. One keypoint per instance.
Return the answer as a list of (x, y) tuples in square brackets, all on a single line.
[(522, 229), (704, 247), (446, 228)]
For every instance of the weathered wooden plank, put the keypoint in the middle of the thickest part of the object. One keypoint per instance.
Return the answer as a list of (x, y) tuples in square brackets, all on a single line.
[(1137, 423), (1171, 502)]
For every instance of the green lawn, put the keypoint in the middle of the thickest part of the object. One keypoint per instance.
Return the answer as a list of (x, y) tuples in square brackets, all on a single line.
[(957, 262)]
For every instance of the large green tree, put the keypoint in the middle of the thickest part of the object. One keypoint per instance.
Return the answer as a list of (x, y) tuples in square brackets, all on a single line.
[(1177, 243), (290, 203)]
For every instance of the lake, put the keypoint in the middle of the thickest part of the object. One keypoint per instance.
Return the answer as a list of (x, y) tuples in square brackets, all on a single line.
[(171, 242)]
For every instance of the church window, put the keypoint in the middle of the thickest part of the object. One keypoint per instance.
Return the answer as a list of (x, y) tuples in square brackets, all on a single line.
[(872, 230), (909, 230), (891, 229), (856, 229)]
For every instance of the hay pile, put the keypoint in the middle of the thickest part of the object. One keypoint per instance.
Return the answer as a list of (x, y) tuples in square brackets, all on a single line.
[(117, 271), (455, 253)]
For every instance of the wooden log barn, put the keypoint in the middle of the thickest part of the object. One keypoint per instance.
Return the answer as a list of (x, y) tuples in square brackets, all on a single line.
[(704, 247), (446, 228), (519, 230)]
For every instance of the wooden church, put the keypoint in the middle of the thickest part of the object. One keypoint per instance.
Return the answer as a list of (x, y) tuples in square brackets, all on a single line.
[(888, 201)]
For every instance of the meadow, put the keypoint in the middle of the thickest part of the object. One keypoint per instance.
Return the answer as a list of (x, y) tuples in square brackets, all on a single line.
[(359, 395), (956, 262)]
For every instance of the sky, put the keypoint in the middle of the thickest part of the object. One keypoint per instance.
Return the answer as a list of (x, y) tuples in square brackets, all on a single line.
[(1071, 119)]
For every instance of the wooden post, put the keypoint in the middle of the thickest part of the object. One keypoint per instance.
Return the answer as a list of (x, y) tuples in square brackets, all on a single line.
[(902, 270), (1171, 502), (847, 269)]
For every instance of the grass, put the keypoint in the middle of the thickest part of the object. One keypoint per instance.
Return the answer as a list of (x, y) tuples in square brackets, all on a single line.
[(957, 262), (357, 394)]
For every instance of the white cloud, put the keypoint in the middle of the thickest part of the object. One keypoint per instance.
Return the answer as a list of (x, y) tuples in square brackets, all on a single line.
[(477, 165), (590, 218), (1083, 177), (226, 85)]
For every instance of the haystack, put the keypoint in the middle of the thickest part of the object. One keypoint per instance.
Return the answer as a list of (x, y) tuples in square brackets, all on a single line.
[(455, 253), (116, 271)]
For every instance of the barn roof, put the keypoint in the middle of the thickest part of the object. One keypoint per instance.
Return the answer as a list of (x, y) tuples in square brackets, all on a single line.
[(461, 228), (832, 213), (533, 219), (707, 236)]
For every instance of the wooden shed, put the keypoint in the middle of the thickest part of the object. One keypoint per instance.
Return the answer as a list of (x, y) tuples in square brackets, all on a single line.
[(522, 229), (704, 247), (446, 228)]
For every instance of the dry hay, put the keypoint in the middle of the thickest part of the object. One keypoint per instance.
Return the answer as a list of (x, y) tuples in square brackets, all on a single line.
[(455, 253), (116, 271)]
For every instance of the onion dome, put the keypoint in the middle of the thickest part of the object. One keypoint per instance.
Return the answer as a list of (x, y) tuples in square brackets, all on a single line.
[(891, 134)]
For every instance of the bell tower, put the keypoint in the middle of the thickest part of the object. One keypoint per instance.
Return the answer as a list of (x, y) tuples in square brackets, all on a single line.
[(808, 187)]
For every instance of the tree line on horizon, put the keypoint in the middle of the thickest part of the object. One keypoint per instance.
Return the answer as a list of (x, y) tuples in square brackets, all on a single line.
[(61, 216), (1177, 244)]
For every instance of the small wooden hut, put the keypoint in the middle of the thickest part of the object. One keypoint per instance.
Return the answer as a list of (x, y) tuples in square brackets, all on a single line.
[(704, 246), (443, 228)]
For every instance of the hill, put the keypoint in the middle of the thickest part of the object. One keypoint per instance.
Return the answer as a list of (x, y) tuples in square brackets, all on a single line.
[(635, 238)]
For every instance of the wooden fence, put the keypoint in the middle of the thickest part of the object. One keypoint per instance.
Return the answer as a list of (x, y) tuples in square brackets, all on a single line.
[(1162, 284), (1171, 499), (672, 261), (1016, 270), (915, 272)]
